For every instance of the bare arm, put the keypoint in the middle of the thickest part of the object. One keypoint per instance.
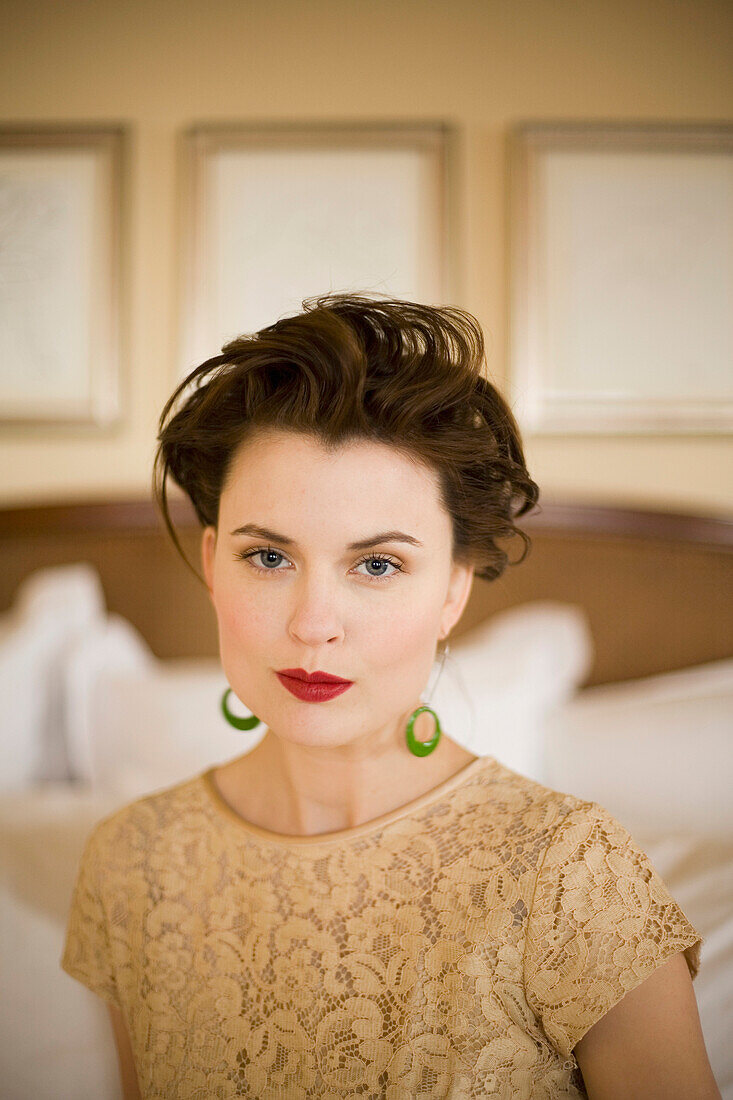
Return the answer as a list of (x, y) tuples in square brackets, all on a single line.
[(130, 1087), (650, 1045)]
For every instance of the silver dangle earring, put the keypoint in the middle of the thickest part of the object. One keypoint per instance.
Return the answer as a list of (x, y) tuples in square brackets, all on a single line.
[(424, 748)]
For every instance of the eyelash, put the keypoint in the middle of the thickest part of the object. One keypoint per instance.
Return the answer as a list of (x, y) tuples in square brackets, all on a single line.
[(271, 550)]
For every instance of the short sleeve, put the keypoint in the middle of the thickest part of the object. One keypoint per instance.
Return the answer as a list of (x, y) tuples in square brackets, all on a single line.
[(87, 954), (601, 921)]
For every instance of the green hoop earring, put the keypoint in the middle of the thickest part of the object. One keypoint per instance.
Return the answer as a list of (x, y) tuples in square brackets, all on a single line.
[(422, 748), (238, 723)]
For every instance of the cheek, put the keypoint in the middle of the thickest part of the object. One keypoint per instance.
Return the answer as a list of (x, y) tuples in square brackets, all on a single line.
[(245, 639), (243, 621), (399, 634), (400, 637), (397, 661)]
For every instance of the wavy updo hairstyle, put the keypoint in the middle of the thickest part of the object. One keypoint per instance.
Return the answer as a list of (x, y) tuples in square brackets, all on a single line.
[(349, 368)]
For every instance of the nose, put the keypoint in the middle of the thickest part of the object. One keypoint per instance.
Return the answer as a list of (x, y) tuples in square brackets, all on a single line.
[(315, 619)]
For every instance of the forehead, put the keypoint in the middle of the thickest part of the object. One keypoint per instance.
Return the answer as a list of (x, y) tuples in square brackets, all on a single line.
[(277, 471)]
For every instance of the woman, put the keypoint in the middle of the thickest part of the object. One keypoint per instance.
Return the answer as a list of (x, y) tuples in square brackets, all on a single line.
[(358, 906)]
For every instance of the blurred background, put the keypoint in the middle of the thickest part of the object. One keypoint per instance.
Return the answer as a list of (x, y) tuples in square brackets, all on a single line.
[(172, 174), (158, 68)]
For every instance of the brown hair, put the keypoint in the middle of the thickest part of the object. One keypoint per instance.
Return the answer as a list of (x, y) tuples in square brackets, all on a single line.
[(348, 368)]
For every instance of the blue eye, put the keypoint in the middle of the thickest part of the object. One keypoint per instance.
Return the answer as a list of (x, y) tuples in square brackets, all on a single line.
[(253, 553), (381, 559)]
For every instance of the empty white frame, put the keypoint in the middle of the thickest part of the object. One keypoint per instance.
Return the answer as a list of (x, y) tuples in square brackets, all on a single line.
[(59, 274), (275, 214), (622, 277)]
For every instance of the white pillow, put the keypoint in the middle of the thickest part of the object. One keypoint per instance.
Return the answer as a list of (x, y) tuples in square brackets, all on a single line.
[(502, 678), (52, 608), (113, 647), (656, 752), (138, 724)]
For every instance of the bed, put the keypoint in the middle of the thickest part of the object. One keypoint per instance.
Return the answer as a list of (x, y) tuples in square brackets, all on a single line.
[(602, 665)]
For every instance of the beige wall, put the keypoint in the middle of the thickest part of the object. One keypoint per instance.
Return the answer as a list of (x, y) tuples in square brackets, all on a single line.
[(160, 65)]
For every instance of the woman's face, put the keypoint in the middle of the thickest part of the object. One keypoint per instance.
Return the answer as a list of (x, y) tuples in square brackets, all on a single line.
[(314, 603)]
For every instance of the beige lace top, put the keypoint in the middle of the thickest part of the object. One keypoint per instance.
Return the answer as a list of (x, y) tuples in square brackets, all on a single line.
[(459, 946)]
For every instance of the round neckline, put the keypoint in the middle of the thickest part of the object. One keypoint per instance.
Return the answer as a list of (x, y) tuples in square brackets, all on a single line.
[(220, 804)]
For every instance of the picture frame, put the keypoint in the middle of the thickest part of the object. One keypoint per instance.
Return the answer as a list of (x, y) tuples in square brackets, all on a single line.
[(621, 277), (272, 214), (60, 278)]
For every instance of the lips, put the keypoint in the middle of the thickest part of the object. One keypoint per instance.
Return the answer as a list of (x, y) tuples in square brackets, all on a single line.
[(317, 691), (316, 677)]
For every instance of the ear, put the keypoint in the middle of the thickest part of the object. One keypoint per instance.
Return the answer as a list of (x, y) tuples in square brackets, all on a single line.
[(459, 589), (208, 549)]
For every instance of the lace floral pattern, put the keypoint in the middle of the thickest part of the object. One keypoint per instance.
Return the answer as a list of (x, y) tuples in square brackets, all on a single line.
[(459, 949)]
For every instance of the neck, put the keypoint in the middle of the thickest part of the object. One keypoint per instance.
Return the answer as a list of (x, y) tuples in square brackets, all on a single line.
[(305, 790)]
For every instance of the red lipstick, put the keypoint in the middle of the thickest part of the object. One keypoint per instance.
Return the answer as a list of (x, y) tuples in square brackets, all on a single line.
[(312, 687), (314, 677)]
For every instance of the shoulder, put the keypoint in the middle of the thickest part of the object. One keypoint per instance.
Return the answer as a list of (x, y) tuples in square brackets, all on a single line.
[(521, 806), (564, 827), (131, 831), (601, 920)]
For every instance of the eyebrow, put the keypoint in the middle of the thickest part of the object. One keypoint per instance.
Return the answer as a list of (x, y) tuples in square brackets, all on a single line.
[(362, 544)]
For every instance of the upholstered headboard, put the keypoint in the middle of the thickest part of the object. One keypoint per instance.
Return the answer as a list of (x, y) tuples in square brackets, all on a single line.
[(656, 586)]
